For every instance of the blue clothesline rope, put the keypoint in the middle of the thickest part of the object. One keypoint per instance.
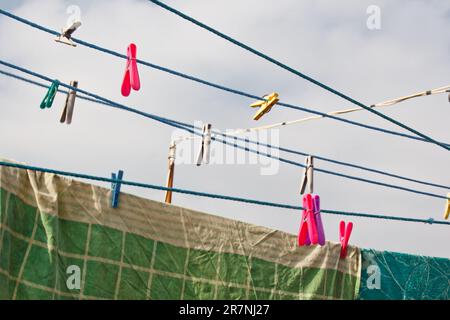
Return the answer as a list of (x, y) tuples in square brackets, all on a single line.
[(191, 129), (298, 73), (211, 84), (246, 140), (215, 196)]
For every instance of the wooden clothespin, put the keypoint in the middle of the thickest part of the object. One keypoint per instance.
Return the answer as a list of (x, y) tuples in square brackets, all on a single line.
[(447, 209), (131, 76), (66, 34), (344, 236), (170, 175), (204, 152), (308, 174), (265, 105), (66, 116), (47, 102), (115, 186)]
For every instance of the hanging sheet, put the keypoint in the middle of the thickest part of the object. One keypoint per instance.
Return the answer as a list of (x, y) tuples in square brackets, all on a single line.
[(397, 276), (60, 239)]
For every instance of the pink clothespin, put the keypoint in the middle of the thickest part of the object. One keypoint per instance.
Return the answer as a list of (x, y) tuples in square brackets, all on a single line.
[(131, 77), (318, 220), (344, 236), (308, 230)]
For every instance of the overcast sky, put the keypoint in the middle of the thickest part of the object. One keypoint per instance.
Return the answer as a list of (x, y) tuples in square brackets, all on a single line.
[(328, 40)]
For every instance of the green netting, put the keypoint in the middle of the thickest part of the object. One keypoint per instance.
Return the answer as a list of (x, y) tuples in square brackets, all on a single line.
[(397, 276), (169, 253)]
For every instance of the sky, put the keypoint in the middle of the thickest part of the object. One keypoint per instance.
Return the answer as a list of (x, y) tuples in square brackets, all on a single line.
[(325, 39)]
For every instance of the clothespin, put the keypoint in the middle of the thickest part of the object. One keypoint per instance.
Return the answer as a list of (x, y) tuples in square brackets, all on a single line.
[(318, 220), (131, 77), (66, 33), (204, 152), (344, 236), (66, 116), (447, 209), (308, 229), (115, 186), (170, 175), (50, 96), (308, 173), (265, 105)]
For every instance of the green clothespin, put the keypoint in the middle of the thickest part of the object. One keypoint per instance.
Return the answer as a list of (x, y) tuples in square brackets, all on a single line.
[(50, 96)]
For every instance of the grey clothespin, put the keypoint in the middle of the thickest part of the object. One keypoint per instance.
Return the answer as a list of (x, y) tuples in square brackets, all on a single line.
[(66, 34), (308, 174), (204, 153), (66, 116)]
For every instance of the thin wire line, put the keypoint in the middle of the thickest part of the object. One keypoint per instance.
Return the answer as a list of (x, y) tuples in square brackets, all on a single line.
[(191, 129), (211, 84), (216, 196), (298, 73), (227, 135)]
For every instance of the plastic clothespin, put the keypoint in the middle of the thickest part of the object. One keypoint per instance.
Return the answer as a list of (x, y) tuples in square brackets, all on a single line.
[(308, 175), (170, 175), (318, 220), (308, 229), (447, 209), (47, 102), (131, 77), (115, 186), (66, 116), (66, 33), (265, 105), (344, 236), (204, 152)]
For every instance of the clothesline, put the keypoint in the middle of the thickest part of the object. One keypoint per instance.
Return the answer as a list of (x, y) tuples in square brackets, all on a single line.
[(191, 129), (211, 84), (215, 196), (298, 73)]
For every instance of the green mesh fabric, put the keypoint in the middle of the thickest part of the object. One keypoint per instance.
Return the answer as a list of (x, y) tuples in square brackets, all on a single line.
[(397, 276)]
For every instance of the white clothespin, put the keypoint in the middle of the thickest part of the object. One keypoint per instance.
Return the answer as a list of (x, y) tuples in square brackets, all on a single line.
[(170, 175), (66, 33), (308, 173), (66, 116), (204, 153)]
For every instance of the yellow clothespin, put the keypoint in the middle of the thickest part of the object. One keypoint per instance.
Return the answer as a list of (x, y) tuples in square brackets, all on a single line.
[(169, 184), (447, 209), (265, 105)]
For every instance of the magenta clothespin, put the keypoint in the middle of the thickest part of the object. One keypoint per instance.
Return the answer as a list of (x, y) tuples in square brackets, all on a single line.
[(344, 236), (131, 77), (318, 220), (308, 230)]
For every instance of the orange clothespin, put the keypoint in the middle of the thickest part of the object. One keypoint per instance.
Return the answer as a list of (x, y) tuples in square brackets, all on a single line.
[(447, 209), (169, 184), (265, 105)]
